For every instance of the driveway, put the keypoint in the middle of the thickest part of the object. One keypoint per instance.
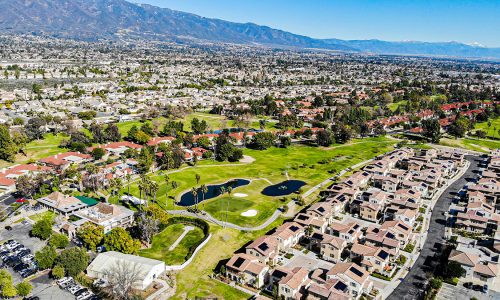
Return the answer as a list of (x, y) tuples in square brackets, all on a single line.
[(413, 284), (308, 260)]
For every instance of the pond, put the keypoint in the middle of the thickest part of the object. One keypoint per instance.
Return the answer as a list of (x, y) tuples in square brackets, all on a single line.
[(284, 188), (187, 198)]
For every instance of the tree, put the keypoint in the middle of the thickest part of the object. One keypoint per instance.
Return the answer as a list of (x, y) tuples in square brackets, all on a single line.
[(91, 235), (97, 153), (73, 260), (342, 133), (9, 290), (46, 257), (112, 133), (459, 127), (203, 142), (204, 191), (8, 149), (122, 276), (18, 121), (285, 141), (198, 178), (58, 272), (198, 127), (6, 284), (35, 128), (148, 227), (263, 140), (97, 132), (42, 229), (324, 138), (432, 130), (118, 239), (454, 269), (59, 241), (194, 192), (87, 115), (146, 160), (24, 288), (5, 277)]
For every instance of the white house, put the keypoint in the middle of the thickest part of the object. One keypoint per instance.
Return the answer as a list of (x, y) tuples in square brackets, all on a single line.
[(149, 269)]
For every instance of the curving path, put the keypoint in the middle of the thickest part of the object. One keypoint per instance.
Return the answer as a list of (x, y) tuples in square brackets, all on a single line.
[(209, 218)]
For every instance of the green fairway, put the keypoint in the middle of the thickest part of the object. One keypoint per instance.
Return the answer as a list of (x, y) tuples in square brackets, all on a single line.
[(161, 243), (471, 144), (38, 149), (310, 164), (236, 206), (491, 131)]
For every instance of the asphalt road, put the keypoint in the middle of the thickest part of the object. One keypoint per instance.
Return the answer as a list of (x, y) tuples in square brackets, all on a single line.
[(413, 285), (7, 199)]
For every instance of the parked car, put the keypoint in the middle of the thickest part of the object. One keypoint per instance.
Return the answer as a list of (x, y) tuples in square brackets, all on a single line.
[(485, 289)]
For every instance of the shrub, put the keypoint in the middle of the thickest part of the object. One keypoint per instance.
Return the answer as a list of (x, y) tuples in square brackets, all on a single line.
[(24, 288), (436, 283), (58, 272), (409, 248)]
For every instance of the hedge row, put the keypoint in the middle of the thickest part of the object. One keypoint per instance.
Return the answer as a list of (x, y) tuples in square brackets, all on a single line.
[(202, 224)]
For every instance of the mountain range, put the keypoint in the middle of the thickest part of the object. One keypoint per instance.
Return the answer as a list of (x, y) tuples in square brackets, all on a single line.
[(114, 19)]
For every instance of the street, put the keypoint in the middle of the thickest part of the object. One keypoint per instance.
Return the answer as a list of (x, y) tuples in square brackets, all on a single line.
[(413, 285)]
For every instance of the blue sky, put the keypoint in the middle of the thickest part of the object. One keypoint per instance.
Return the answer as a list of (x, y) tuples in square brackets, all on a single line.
[(396, 20)]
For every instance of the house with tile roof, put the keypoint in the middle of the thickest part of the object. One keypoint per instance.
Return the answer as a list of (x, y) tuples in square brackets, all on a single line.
[(247, 269)]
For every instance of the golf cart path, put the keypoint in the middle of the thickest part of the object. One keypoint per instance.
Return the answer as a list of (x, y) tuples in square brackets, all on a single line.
[(187, 229)]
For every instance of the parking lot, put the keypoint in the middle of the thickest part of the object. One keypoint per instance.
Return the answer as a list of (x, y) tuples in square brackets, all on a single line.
[(450, 292), (21, 232)]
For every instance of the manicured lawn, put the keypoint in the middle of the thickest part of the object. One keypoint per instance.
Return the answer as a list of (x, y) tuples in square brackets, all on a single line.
[(194, 281), (310, 164), (48, 215), (491, 131), (395, 105), (161, 243)]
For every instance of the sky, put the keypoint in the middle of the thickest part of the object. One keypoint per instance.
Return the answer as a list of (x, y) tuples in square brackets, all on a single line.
[(393, 20)]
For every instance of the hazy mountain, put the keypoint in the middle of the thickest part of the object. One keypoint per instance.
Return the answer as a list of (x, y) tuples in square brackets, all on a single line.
[(419, 48), (104, 19)]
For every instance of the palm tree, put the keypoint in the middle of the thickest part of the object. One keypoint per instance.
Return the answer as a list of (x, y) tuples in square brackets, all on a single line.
[(167, 180), (194, 191), (153, 188), (229, 190), (129, 178), (222, 191), (174, 186), (204, 190)]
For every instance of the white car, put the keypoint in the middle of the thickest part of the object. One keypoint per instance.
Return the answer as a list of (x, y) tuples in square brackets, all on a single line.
[(63, 280), (75, 288), (28, 257), (84, 296)]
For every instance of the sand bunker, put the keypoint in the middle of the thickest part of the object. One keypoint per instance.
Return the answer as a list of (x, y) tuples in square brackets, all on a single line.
[(249, 213), (240, 195)]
